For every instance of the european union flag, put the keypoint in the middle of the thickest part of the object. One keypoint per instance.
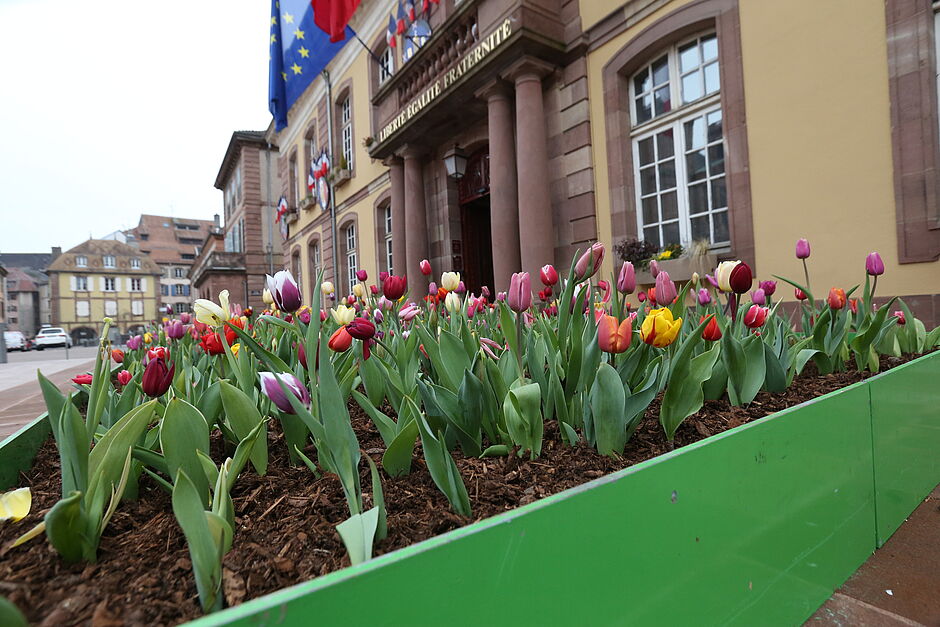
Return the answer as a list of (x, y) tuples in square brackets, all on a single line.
[(299, 52)]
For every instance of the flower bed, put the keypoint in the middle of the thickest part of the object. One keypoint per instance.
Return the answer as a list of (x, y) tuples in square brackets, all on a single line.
[(239, 442)]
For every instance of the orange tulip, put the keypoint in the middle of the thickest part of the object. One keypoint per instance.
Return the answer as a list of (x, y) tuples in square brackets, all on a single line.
[(611, 337), (341, 340), (837, 298)]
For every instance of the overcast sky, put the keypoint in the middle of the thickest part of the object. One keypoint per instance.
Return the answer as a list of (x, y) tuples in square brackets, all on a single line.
[(113, 109)]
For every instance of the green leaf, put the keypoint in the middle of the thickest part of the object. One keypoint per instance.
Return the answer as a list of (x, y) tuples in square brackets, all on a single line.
[(210, 403), (204, 550), (522, 409), (243, 416), (496, 450), (357, 533), (10, 615), (106, 461), (55, 400), (184, 432), (73, 449), (373, 379), (571, 434), (378, 500), (443, 469), (775, 379), (684, 394), (66, 523), (397, 458), (607, 402), (386, 426), (242, 453), (636, 403)]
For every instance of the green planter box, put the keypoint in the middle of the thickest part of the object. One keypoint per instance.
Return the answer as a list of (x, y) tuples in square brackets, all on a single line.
[(753, 526)]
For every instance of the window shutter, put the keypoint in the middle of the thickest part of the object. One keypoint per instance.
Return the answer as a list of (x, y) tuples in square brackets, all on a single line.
[(186, 290), (101, 283), (117, 284), (73, 283), (143, 284)]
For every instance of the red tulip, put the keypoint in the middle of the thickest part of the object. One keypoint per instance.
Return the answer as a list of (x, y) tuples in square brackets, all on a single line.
[(836, 298), (548, 275), (394, 286), (756, 316), (83, 379), (158, 352), (711, 332), (853, 305), (212, 344), (425, 267), (117, 355), (741, 278), (897, 314), (361, 329), (800, 294), (614, 338), (340, 341), (124, 377)]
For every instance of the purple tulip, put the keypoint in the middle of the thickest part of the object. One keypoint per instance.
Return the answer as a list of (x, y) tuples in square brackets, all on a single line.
[(461, 288), (304, 315), (432, 288), (758, 297), (665, 289), (174, 330), (704, 297), (272, 389), (520, 292), (654, 268), (769, 287), (285, 291), (185, 318), (378, 316), (362, 275), (626, 280), (711, 279), (382, 276), (485, 292), (802, 249), (157, 377), (135, 342), (500, 296), (874, 265)]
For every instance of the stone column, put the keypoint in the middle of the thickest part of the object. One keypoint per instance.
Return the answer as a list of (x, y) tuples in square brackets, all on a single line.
[(504, 208), (536, 229), (416, 224), (399, 230)]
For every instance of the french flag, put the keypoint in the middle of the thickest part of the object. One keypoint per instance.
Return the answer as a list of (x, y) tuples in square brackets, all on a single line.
[(410, 10), (401, 19), (390, 38), (427, 4)]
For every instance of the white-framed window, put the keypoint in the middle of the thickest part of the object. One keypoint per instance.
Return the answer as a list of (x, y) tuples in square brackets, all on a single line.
[(387, 220), (315, 260), (110, 285), (179, 290), (82, 308), (678, 146), (179, 273), (351, 262), (346, 133), (238, 184), (137, 307), (110, 307), (136, 285), (135, 263), (81, 284), (81, 261), (109, 261), (386, 64), (180, 308)]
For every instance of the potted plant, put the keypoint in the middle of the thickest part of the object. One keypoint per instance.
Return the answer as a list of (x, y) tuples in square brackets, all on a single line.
[(342, 173)]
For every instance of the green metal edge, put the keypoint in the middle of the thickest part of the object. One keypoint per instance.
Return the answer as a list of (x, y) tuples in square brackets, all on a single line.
[(906, 431), (18, 451)]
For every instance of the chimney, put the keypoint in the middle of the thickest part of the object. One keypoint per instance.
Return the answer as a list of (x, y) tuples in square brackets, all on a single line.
[(56, 251)]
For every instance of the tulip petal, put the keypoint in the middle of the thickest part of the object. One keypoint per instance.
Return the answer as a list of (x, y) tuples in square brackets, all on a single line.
[(15, 505)]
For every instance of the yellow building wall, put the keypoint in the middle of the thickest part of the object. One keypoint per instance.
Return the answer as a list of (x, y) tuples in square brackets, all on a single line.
[(96, 298), (819, 140)]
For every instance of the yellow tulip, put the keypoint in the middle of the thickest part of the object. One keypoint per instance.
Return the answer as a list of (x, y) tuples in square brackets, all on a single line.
[(210, 313), (659, 328), (266, 297), (452, 301), (235, 348), (450, 281), (148, 338), (15, 505), (359, 290), (343, 314), (327, 288)]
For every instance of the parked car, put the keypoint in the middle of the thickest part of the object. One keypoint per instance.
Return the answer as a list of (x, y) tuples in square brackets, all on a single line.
[(15, 341), (52, 336)]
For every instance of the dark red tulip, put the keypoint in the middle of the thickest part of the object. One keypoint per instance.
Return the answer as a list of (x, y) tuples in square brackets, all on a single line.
[(157, 378)]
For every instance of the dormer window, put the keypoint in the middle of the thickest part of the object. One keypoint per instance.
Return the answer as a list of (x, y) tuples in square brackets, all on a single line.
[(109, 261), (81, 261), (135, 263)]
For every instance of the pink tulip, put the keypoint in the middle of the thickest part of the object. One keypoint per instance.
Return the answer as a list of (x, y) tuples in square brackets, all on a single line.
[(654, 268), (802, 249), (590, 262), (626, 280), (425, 267), (704, 297), (185, 318), (362, 275), (520, 292), (874, 265), (758, 297), (665, 289), (548, 275), (769, 287)]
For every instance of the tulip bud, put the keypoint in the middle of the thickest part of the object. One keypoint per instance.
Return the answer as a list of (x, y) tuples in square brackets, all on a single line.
[(520, 293), (272, 389), (704, 297), (266, 297), (124, 377), (452, 302), (741, 278), (450, 281), (304, 314), (853, 305), (394, 287), (432, 289), (612, 337), (362, 275), (157, 378), (758, 297), (175, 330), (802, 249), (626, 280), (900, 317), (374, 289), (641, 296), (461, 288), (711, 332), (590, 262), (769, 287), (665, 288), (800, 294), (358, 290), (340, 341), (548, 275), (485, 292), (134, 343), (654, 268), (83, 379), (874, 265), (425, 266), (378, 316), (326, 287), (756, 316), (117, 355), (695, 278)]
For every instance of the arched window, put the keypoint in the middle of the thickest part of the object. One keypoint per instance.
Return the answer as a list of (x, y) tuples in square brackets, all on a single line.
[(349, 249), (346, 131), (678, 146), (316, 262), (296, 266), (386, 64)]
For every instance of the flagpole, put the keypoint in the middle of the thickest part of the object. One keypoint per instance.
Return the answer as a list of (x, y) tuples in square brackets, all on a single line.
[(329, 131), (364, 45)]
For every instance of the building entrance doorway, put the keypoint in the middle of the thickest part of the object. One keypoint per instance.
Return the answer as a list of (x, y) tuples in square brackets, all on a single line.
[(474, 194)]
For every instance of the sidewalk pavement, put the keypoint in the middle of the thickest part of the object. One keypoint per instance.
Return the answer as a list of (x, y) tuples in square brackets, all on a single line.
[(20, 398)]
